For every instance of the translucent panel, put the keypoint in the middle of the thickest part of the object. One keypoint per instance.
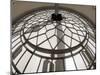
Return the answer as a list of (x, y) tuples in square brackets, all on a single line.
[(84, 33), (81, 29), (79, 32), (23, 61), (50, 33), (93, 43), (34, 21), (81, 38), (66, 21), (33, 41), (25, 29), (73, 30), (74, 43), (28, 30), (72, 22), (91, 32), (60, 28), (15, 34), (79, 62), (67, 40), (16, 46), (27, 35), (62, 23), (43, 30), (21, 53), (45, 45), (91, 46), (21, 24), (15, 38), (68, 32), (41, 38), (28, 25), (50, 26), (23, 39), (69, 25), (76, 27), (69, 64), (63, 28), (91, 51), (85, 58), (14, 43), (59, 33), (33, 64), (17, 29), (53, 41), (28, 17), (41, 65), (33, 34), (61, 45), (41, 20), (54, 23), (30, 21), (48, 67), (75, 36)]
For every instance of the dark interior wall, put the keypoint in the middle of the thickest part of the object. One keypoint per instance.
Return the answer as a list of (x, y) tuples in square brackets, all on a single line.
[(20, 7), (87, 10)]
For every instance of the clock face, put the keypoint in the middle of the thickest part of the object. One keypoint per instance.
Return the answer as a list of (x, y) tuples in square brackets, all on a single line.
[(37, 38)]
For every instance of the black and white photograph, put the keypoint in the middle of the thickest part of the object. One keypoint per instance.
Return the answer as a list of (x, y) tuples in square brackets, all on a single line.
[(52, 37)]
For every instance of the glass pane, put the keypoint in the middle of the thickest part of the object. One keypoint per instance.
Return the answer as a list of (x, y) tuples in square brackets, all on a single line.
[(79, 62), (23, 61), (69, 64), (33, 64)]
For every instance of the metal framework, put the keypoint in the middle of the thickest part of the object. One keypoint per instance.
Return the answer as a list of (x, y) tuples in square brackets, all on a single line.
[(40, 44)]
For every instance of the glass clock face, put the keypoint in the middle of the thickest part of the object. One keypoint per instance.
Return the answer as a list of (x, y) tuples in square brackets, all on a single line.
[(37, 39)]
